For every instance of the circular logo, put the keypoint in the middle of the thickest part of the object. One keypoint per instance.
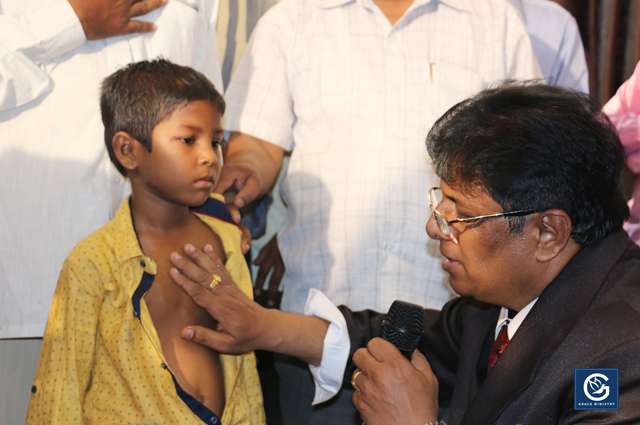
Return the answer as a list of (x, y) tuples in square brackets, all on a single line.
[(594, 386)]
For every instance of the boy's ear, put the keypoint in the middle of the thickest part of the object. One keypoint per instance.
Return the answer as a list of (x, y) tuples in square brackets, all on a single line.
[(123, 148), (554, 233)]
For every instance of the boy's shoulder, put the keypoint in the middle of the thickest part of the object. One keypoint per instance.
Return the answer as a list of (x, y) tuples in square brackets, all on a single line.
[(115, 239)]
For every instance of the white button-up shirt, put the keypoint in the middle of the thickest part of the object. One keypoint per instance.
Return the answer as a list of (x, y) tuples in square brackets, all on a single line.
[(58, 184), (354, 98)]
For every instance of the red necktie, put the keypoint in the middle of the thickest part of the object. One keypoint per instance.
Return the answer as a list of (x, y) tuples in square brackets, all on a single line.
[(498, 347)]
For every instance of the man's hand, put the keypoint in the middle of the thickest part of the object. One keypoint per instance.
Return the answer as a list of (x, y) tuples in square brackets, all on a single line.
[(109, 18), (242, 324), (240, 320), (250, 168), (392, 389), (269, 258)]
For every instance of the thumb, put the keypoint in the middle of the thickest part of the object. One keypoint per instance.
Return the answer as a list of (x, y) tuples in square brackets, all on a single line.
[(205, 336), (419, 361)]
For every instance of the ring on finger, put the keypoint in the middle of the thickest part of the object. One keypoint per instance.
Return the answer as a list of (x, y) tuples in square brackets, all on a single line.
[(214, 281), (353, 379)]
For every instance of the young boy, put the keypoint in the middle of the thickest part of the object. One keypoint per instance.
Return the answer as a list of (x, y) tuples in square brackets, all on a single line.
[(112, 350)]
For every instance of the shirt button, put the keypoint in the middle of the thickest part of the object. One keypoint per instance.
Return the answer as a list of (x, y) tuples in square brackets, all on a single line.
[(135, 314), (142, 263), (214, 420), (164, 366), (34, 389)]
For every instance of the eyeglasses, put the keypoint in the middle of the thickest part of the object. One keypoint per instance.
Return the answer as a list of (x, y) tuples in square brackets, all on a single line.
[(444, 223)]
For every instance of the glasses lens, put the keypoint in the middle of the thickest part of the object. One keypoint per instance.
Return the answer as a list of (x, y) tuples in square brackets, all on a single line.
[(442, 223)]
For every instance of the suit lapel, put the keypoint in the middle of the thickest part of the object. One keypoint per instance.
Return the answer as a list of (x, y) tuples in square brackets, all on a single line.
[(558, 310)]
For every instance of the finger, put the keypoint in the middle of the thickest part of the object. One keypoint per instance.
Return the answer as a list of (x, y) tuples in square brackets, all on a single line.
[(227, 180), (248, 192), (143, 7), (364, 360), (382, 350), (197, 292), (245, 237), (274, 293), (419, 361), (261, 276), (208, 262), (208, 337), (190, 270), (134, 26)]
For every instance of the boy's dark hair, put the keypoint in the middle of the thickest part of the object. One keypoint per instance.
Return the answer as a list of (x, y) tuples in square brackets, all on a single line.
[(137, 97), (534, 146)]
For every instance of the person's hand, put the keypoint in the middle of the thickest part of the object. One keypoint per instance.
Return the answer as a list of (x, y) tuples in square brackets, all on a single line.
[(269, 258), (241, 322), (245, 238), (240, 184), (109, 18), (393, 390)]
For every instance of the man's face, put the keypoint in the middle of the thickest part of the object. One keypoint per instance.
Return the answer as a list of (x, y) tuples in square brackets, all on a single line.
[(484, 260)]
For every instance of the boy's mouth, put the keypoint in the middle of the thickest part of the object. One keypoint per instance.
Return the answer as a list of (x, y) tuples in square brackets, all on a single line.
[(205, 182)]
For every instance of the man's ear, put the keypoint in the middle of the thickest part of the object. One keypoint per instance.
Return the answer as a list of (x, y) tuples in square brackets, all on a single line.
[(554, 227), (123, 148)]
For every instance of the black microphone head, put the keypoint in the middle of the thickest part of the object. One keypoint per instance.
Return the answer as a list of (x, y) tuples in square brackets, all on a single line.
[(403, 326)]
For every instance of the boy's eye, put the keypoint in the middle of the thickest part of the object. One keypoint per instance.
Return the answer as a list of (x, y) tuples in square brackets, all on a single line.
[(217, 143), (462, 215), (188, 140)]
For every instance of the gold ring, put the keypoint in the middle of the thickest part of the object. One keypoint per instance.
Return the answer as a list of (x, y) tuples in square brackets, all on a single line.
[(214, 281), (353, 379)]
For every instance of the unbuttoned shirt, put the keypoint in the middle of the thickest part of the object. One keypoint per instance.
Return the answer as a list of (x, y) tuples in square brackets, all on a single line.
[(354, 97), (58, 184), (101, 360)]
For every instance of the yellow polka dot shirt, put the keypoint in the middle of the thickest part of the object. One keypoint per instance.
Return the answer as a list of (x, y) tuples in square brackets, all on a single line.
[(101, 360)]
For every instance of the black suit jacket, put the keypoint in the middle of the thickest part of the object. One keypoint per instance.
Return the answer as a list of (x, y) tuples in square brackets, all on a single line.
[(588, 317)]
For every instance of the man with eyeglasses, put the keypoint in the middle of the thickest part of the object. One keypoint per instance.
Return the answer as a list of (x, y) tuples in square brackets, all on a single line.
[(529, 219)]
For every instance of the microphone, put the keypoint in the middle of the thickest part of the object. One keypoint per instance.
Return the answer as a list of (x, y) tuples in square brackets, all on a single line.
[(404, 326)]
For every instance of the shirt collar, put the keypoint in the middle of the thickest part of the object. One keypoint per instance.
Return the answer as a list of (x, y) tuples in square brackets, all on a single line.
[(513, 324), (126, 240), (458, 4)]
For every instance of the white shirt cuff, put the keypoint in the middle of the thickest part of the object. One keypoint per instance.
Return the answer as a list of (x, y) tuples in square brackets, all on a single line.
[(58, 30), (335, 353)]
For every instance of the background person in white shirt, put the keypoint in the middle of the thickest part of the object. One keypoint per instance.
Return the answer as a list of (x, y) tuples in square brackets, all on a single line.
[(58, 185), (352, 88)]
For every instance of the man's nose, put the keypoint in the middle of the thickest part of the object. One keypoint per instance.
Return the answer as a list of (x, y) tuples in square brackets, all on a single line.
[(433, 230)]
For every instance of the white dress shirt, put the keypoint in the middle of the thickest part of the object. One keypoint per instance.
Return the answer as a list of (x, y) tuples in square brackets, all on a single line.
[(556, 41), (354, 97), (58, 184)]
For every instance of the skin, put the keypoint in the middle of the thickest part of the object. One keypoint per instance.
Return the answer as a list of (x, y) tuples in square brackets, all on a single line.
[(110, 18), (179, 172)]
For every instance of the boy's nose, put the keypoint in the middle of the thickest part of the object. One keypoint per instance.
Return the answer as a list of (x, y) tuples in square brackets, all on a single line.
[(208, 155)]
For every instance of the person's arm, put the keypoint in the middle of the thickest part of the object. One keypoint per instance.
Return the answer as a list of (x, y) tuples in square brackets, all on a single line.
[(68, 349), (27, 41), (243, 325), (251, 166)]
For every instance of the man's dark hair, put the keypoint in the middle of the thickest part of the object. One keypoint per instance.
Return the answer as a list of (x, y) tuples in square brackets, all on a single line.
[(137, 97), (534, 146)]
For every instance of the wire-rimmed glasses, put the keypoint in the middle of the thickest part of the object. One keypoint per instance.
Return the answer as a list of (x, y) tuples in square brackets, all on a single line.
[(444, 223)]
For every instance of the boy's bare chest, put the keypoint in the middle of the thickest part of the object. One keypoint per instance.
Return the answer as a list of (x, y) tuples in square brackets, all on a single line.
[(165, 298)]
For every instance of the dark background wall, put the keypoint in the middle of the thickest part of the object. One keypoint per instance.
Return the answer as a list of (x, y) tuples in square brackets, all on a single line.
[(610, 32)]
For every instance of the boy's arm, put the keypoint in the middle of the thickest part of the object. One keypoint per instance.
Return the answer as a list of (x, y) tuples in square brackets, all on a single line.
[(68, 350)]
